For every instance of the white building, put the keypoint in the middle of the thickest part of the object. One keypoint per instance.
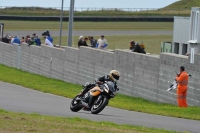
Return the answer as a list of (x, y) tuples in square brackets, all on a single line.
[(186, 34)]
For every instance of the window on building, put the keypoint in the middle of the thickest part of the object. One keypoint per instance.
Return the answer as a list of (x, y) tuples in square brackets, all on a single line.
[(194, 26), (176, 48), (184, 49)]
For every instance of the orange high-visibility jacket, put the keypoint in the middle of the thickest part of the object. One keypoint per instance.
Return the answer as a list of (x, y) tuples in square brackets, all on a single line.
[(182, 81)]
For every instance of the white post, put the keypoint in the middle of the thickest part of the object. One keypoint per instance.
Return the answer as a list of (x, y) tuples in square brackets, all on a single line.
[(61, 19), (192, 55), (70, 25)]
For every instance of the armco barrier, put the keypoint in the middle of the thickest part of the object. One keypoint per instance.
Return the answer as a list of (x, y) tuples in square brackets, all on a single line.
[(145, 76), (92, 18)]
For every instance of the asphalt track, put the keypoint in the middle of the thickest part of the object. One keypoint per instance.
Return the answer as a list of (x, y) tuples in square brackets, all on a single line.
[(19, 99), (93, 33)]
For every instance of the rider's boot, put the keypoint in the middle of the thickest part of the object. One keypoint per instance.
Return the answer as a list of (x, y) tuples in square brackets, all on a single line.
[(89, 105)]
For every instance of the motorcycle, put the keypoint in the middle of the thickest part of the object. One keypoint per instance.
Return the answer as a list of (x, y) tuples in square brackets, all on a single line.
[(101, 92)]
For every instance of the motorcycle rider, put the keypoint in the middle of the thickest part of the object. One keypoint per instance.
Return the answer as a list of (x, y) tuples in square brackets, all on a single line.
[(113, 76)]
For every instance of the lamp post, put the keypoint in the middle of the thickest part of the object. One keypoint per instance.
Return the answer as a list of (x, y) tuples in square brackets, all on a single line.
[(70, 24), (61, 19)]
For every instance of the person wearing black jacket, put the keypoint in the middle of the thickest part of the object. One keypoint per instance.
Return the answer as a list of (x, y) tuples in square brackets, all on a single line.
[(113, 76), (6, 39), (136, 48), (82, 41)]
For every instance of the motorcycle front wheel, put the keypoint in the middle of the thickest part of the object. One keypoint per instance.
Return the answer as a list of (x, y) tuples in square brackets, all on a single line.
[(98, 107), (74, 106)]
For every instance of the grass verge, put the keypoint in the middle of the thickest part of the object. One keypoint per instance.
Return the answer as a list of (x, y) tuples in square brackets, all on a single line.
[(19, 122), (55, 25), (69, 90)]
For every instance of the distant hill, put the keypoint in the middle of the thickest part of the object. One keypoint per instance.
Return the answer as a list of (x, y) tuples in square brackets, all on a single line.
[(184, 4)]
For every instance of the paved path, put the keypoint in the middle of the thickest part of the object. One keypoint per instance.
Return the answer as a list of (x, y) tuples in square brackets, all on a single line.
[(94, 33), (20, 99)]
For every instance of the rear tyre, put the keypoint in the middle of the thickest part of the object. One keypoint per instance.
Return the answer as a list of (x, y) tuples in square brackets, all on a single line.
[(75, 106), (97, 108)]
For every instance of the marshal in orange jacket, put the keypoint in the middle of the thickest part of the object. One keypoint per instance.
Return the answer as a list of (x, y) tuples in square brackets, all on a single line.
[(182, 81)]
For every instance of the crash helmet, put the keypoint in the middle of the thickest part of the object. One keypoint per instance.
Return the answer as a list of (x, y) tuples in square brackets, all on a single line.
[(114, 75)]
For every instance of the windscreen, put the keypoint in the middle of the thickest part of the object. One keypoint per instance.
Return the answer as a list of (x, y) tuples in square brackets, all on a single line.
[(111, 86)]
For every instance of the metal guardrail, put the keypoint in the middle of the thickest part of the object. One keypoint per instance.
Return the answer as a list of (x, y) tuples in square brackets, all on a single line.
[(91, 18)]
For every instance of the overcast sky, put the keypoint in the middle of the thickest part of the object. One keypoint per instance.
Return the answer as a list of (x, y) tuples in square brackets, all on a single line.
[(91, 3)]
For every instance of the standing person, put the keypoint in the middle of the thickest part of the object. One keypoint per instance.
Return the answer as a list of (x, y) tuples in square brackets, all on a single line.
[(102, 42), (182, 80), (93, 42)]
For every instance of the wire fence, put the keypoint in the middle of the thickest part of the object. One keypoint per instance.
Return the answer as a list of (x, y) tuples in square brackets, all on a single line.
[(92, 11)]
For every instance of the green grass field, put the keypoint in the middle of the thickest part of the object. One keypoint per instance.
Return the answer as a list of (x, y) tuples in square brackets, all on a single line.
[(25, 123), (69, 90), (55, 25)]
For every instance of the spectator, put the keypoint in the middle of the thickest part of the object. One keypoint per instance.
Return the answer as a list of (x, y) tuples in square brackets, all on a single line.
[(93, 42), (34, 34), (22, 40), (136, 48), (11, 38), (80, 41), (15, 40), (27, 38), (50, 38), (131, 45), (30, 41), (33, 38), (47, 42), (102, 42), (6, 39), (37, 41), (85, 41), (46, 33)]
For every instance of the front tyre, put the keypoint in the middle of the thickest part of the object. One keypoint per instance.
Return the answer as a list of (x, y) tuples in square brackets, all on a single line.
[(74, 106), (97, 108)]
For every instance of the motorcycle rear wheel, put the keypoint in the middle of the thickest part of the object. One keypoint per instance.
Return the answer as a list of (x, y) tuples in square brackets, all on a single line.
[(98, 108), (74, 106)]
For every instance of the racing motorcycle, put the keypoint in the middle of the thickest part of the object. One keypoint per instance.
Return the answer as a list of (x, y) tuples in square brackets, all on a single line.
[(101, 92)]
